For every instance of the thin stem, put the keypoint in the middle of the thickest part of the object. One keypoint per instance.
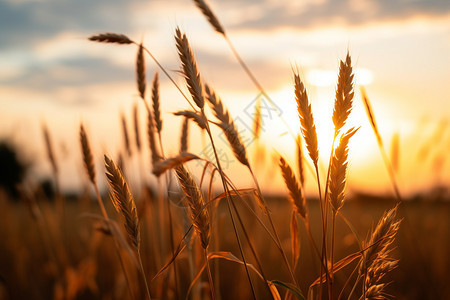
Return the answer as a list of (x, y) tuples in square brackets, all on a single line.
[(211, 282), (291, 272), (167, 74), (255, 81), (332, 252), (228, 197), (143, 274), (116, 244)]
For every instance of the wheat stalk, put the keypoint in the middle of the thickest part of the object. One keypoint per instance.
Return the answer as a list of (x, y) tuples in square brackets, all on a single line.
[(300, 166), (228, 127), (111, 38), (189, 66), (295, 192)]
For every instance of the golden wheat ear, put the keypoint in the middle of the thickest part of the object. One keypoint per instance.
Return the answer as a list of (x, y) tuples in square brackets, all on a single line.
[(109, 37), (338, 172), (344, 94), (308, 126), (199, 214), (123, 200), (295, 192), (207, 12), (87, 155), (190, 70)]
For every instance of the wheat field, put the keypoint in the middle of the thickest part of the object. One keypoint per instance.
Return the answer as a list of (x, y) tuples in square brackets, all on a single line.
[(186, 229)]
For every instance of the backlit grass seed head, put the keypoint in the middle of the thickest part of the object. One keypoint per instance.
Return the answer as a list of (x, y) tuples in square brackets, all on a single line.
[(295, 192), (338, 173), (308, 127), (228, 127), (111, 38), (194, 198), (344, 94), (123, 200), (156, 103), (189, 67), (87, 155), (210, 16), (140, 71)]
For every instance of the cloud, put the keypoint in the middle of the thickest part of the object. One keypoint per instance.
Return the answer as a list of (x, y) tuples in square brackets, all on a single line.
[(315, 14)]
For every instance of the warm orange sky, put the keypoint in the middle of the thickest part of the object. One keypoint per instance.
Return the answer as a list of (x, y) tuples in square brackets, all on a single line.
[(50, 72)]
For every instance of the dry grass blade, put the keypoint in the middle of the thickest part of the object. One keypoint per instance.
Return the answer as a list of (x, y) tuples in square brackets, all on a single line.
[(306, 119), (136, 126), (123, 201), (194, 198), (184, 136), (192, 115), (227, 126), (170, 163), (207, 12), (140, 71), (189, 67), (87, 155), (344, 94), (370, 114), (295, 192), (156, 103), (338, 173), (111, 38)]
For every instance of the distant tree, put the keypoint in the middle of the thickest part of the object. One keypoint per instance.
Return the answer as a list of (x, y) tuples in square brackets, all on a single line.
[(12, 168)]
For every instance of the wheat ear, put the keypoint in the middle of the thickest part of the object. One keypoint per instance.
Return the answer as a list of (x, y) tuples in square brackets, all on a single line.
[(207, 12), (156, 103), (189, 66), (192, 115), (111, 38), (123, 201), (338, 172), (125, 134), (170, 163), (199, 214), (308, 126), (344, 94), (184, 136), (295, 192), (227, 126), (87, 155)]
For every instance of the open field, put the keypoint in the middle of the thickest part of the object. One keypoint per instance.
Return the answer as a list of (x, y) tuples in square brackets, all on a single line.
[(422, 245)]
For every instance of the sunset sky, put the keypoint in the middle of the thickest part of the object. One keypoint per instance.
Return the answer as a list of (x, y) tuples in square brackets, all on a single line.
[(50, 73)]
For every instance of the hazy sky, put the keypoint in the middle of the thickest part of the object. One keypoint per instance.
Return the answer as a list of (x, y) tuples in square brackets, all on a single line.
[(50, 72)]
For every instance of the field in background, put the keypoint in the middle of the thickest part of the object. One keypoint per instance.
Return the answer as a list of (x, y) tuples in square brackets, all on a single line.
[(422, 245)]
